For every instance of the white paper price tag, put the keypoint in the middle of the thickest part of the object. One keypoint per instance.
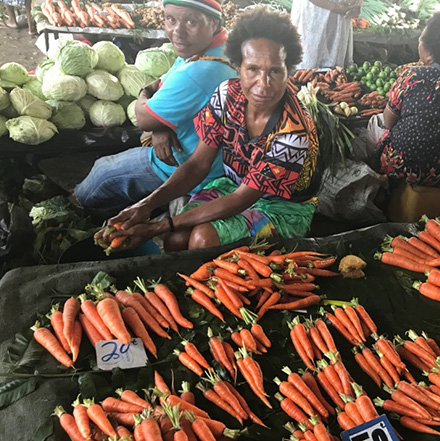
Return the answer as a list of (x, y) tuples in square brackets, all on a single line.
[(378, 429), (114, 354)]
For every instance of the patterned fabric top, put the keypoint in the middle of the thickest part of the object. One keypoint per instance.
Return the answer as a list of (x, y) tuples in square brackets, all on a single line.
[(282, 163), (415, 97)]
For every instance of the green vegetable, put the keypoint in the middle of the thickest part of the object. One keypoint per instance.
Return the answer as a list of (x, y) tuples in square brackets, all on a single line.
[(110, 57), (30, 130), (34, 86), (14, 72), (107, 114), (60, 87), (125, 100), (67, 115), (43, 67), (27, 104), (3, 129), (85, 103), (132, 80), (10, 112), (131, 113), (76, 58), (154, 61), (104, 86), (4, 99)]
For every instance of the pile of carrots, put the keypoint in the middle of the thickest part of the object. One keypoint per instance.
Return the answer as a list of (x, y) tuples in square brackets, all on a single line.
[(111, 316), (360, 22), (420, 254), (278, 281), (162, 416), (110, 15)]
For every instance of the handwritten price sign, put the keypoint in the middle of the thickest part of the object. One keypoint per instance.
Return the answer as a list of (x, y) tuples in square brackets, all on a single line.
[(378, 429), (114, 354)]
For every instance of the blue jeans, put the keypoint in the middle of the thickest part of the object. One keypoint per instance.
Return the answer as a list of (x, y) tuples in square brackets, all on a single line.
[(117, 181)]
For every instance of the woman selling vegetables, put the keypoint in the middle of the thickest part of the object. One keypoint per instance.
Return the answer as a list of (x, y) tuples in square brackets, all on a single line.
[(410, 149), (166, 107), (269, 146)]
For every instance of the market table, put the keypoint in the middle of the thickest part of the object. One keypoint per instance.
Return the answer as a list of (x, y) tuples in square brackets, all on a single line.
[(27, 292)]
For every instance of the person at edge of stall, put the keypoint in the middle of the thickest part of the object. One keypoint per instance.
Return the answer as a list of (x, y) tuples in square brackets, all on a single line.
[(11, 21), (166, 107), (326, 31), (410, 147), (269, 144)]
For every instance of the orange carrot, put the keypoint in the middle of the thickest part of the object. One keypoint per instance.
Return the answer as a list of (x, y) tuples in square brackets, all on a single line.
[(291, 409), (244, 264), (402, 262), (258, 332), (310, 381), (111, 404), (159, 383), (226, 275), (70, 311), (51, 344), (68, 423), (218, 351), (202, 299), (198, 285), (123, 432), (226, 301), (332, 377), (330, 390), (203, 273), (298, 304), (263, 269), (174, 400), (412, 424), (133, 320), (413, 359), (153, 309), (227, 265), (169, 299), (352, 410), (300, 349), (108, 310), (127, 419), (326, 335), (341, 371), (366, 367), (388, 349), (364, 404), (81, 418), (229, 351), (201, 429), (289, 391), (341, 315), (414, 393), (270, 303), (344, 421), (76, 339), (319, 430), (150, 429), (56, 320), (186, 393), (233, 297), (376, 366), (354, 318), (248, 340), (129, 396), (97, 415), (193, 352), (189, 362), (342, 329), (89, 309)]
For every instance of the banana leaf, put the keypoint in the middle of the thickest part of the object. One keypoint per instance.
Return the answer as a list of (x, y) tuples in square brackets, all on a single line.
[(385, 292)]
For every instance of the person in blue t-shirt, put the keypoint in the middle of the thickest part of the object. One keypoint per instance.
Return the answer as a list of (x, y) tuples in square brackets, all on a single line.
[(166, 107)]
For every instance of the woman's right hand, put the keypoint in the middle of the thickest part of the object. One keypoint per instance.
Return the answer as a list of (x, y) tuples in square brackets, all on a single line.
[(138, 213)]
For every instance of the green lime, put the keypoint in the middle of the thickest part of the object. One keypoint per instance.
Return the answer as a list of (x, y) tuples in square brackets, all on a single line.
[(366, 65), (381, 91), (393, 75), (368, 84), (373, 87), (392, 80), (379, 82), (363, 81), (382, 75), (387, 70), (361, 72), (369, 76), (378, 63), (374, 70), (387, 86)]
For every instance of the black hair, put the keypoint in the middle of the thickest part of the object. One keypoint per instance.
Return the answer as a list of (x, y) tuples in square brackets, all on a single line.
[(263, 22), (431, 37)]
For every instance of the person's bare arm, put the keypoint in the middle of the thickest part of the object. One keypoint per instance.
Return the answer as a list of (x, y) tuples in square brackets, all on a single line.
[(389, 118)]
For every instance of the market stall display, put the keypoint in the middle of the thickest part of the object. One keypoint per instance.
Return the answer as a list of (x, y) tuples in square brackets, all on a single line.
[(80, 84), (385, 283)]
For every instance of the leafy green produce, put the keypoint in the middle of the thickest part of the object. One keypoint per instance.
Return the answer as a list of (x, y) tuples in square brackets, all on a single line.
[(107, 114), (104, 86), (27, 104), (34, 86), (132, 80), (76, 58), (67, 115), (154, 61), (4, 99), (30, 130), (131, 113), (110, 57), (60, 87), (14, 72)]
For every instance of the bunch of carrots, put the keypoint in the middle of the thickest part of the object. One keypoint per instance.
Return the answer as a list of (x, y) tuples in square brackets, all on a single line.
[(110, 15), (278, 281), (111, 316), (163, 416)]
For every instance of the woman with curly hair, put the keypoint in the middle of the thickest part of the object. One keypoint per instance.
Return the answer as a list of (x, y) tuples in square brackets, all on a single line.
[(410, 149), (269, 146)]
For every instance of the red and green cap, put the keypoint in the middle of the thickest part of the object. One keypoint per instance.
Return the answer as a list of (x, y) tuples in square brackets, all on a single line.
[(212, 8)]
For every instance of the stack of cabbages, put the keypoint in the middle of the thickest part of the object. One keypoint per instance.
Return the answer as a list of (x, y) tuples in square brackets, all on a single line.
[(80, 83)]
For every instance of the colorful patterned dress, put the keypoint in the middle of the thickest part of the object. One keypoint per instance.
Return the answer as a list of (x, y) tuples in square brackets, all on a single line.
[(281, 163), (411, 149)]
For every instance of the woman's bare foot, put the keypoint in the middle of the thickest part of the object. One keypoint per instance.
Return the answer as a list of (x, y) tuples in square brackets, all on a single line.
[(11, 24)]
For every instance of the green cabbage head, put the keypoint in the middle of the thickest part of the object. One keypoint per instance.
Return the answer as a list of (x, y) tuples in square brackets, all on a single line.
[(107, 114), (3, 129), (30, 130), (85, 103), (43, 67), (4, 99), (131, 113), (66, 115), (27, 104), (111, 58), (154, 61), (60, 87), (14, 72), (76, 58), (132, 79), (104, 86), (34, 86), (10, 112)]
